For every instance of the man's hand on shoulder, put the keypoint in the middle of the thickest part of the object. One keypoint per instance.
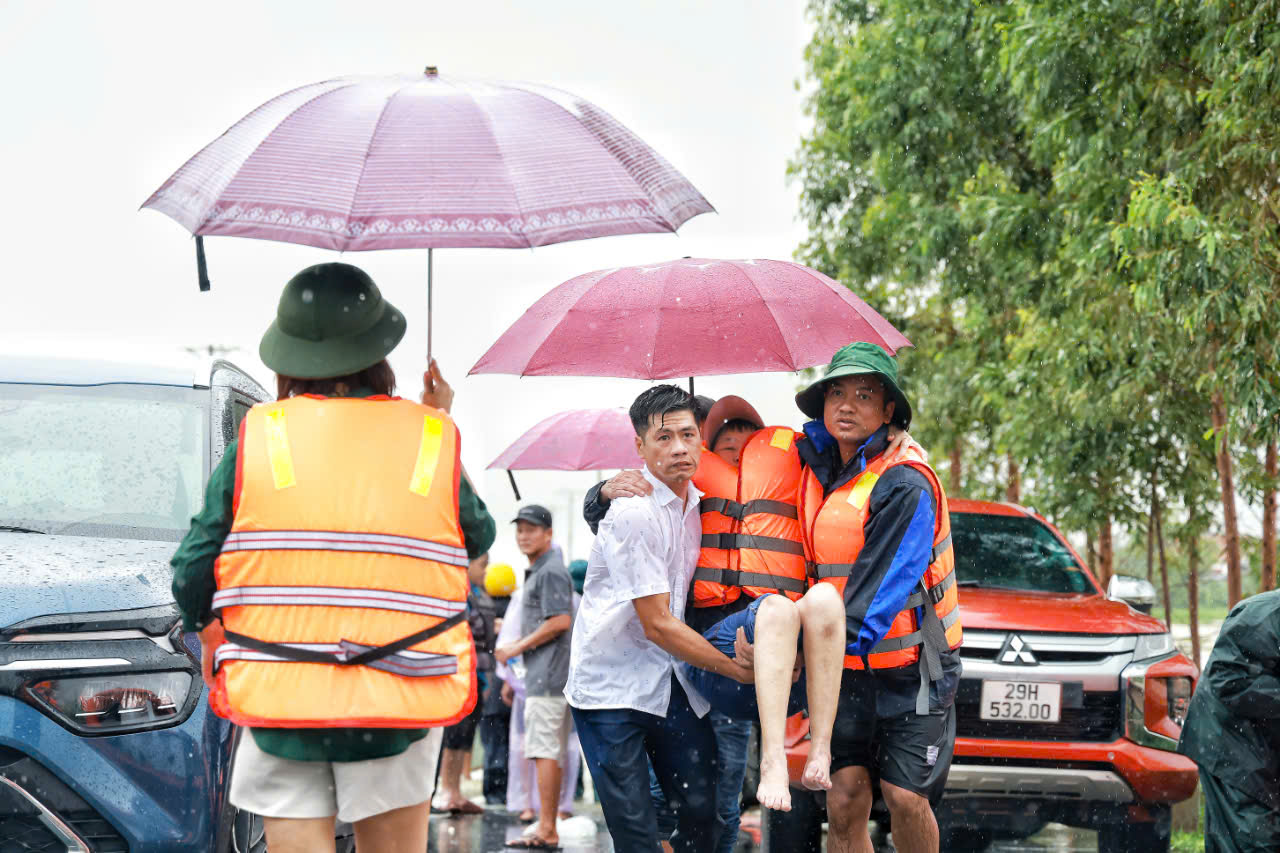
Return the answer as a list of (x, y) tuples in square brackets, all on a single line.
[(626, 484)]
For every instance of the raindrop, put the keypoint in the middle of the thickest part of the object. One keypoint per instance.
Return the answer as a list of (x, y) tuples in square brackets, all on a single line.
[(395, 318), (362, 297), (308, 296)]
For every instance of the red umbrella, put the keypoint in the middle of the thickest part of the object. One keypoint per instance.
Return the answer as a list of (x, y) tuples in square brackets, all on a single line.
[(579, 440), (689, 317)]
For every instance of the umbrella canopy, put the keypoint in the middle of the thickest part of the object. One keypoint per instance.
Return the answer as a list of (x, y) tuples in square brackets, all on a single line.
[(578, 440), (427, 161), (689, 317)]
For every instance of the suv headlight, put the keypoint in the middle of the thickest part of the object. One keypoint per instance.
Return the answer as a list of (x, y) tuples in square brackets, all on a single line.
[(113, 704)]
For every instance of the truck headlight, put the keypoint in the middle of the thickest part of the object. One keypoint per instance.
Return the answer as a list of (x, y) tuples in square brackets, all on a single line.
[(113, 704), (1153, 646)]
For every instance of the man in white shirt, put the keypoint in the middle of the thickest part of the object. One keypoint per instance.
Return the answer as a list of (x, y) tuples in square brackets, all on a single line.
[(629, 699)]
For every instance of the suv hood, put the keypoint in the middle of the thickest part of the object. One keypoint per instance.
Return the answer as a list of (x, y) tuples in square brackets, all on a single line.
[(1055, 613), (43, 574)]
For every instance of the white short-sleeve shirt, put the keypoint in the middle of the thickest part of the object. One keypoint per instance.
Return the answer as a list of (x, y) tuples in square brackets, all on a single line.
[(645, 546)]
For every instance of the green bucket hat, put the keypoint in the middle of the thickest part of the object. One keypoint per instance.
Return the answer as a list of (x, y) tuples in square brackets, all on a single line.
[(331, 321), (858, 359)]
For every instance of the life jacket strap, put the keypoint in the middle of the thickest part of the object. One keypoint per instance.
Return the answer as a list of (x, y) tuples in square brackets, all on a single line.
[(933, 595), (941, 548), (732, 577), (337, 540), (820, 571), (739, 511), (393, 657), (733, 541)]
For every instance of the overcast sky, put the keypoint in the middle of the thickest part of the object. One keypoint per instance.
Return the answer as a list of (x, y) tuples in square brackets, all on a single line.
[(103, 101)]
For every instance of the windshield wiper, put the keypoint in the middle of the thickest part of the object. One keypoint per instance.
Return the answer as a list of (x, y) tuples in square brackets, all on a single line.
[(13, 528)]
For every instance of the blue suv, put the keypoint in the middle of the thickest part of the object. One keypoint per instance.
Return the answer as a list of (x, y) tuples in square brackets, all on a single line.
[(106, 738)]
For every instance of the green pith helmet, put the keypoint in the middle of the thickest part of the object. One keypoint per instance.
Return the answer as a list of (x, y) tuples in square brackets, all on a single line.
[(331, 321), (858, 359)]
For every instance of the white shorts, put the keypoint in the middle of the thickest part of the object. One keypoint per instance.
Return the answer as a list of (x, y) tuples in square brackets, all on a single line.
[(546, 727), (353, 790)]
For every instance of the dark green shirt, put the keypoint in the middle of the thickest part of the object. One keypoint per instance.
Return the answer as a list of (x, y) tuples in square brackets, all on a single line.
[(194, 586)]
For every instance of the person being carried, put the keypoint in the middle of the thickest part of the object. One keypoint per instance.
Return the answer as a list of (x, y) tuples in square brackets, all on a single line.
[(545, 620), (629, 699)]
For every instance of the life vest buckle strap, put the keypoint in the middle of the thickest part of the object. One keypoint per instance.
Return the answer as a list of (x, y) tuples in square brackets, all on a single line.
[(819, 571), (769, 543), (765, 506), (724, 506), (941, 548), (347, 653), (735, 578)]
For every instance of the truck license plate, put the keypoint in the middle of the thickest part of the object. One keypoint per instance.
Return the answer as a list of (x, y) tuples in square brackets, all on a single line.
[(1021, 701)]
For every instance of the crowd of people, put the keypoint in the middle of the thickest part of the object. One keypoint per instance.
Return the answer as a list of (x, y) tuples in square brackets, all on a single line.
[(350, 622)]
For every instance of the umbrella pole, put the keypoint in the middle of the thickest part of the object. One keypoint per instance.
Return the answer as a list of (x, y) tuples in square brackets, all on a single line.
[(429, 283), (690, 384), (512, 478)]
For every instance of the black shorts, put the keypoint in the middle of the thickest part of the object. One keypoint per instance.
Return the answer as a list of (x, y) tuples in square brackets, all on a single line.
[(461, 734), (906, 749)]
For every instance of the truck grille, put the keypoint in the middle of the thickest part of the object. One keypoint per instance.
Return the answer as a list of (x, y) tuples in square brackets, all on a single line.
[(1097, 719)]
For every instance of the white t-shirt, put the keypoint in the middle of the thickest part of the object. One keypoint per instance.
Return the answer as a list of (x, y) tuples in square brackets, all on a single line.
[(646, 545)]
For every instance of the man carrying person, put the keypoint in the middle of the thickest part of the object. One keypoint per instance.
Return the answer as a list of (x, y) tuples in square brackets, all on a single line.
[(630, 701), (545, 621), (876, 527)]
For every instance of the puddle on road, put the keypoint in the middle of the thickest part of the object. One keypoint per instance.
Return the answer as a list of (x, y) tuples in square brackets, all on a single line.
[(488, 833)]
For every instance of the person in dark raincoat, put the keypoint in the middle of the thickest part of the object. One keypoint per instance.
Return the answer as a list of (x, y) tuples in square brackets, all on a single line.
[(1233, 730)]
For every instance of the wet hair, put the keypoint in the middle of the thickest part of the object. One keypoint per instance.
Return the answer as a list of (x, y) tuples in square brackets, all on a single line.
[(701, 408), (379, 377), (661, 400), (732, 425)]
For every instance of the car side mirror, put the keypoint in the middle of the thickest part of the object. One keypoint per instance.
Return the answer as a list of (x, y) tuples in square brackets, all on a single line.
[(1136, 592)]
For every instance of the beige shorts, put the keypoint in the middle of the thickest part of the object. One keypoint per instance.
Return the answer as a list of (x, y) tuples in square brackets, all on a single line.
[(546, 727), (353, 790)]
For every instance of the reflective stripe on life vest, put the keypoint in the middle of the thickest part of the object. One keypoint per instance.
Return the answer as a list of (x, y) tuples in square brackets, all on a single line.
[(333, 540), (406, 663), (335, 596)]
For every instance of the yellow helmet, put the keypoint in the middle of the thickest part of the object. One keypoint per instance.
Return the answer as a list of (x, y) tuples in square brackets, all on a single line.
[(499, 580)]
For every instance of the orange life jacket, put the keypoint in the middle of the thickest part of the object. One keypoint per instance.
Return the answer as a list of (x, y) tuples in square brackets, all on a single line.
[(750, 526), (834, 534), (342, 585)]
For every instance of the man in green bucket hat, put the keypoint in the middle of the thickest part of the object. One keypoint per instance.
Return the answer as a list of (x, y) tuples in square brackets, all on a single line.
[(336, 460), (876, 526)]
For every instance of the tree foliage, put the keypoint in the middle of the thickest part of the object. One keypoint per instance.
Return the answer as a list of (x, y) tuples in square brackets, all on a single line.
[(1072, 208)]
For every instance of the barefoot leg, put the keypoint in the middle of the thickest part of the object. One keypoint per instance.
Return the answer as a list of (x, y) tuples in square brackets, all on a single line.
[(822, 617), (776, 631)]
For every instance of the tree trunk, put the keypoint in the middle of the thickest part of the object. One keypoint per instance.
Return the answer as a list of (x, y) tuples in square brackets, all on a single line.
[(1013, 491), (957, 466), (1151, 529), (1105, 554), (1231, 527), (1268, 580), (1193, 596), (1091, 552), (1157, 517)]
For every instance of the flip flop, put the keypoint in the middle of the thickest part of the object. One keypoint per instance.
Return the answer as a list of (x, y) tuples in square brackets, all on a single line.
[(467, 807), (532, 843)]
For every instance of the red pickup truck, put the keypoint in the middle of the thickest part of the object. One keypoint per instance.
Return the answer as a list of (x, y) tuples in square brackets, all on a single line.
[(1069, 708)]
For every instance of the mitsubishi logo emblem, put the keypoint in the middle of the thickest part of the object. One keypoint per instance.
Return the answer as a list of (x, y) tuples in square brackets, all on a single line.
[(1016, 651)]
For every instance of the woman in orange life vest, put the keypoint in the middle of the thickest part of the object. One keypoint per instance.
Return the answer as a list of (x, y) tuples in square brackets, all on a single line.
[(328, 571), (877, 526)]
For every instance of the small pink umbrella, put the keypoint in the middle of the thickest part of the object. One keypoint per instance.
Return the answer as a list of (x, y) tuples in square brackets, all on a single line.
[(411, 161), (578, 440), (688, 317)]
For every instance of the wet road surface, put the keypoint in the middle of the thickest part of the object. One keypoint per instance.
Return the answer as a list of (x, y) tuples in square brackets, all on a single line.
[(488, 833)]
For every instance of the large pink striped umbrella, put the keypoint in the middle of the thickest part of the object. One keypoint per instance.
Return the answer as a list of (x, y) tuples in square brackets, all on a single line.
[(578, 440), (426, 161), (688, 317)]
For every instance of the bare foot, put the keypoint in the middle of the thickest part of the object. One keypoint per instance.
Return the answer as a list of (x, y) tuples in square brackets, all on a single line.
[(817, 771), (774, 792), (528, 815)]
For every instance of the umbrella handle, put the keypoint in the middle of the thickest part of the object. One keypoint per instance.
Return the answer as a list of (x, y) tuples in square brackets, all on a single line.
[(202, 268), (429, 312), (512, 478)]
